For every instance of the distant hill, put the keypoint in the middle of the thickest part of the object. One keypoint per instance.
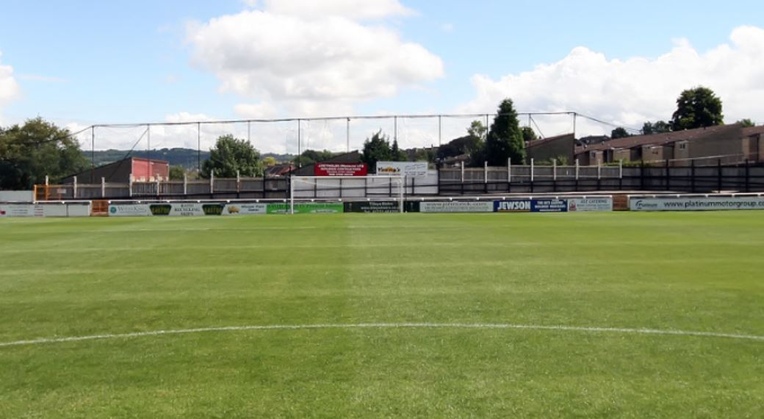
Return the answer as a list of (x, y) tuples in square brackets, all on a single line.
[(186, 157)]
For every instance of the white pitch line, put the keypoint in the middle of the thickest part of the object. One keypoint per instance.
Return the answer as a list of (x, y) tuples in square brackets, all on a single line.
[(384, 326)]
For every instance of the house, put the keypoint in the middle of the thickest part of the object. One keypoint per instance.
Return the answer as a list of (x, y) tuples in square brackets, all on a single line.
[(140, 169), (681, 147), (560, 147), (279, 170)]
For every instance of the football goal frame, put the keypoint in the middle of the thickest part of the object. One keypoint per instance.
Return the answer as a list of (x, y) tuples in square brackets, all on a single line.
[(330, 188)]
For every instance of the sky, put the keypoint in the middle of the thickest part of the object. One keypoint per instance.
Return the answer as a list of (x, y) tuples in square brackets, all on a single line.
[(81, 63)]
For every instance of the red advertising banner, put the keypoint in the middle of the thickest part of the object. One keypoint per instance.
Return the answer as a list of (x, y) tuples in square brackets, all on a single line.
[(341, 169)]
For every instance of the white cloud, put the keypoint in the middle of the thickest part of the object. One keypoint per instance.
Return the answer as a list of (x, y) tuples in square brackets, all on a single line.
[(351, 9), (630, 92), (312, 58), (9, 88)]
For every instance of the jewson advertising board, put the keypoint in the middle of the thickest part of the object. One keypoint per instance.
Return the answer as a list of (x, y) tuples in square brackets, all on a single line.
[(513, 205), (600, 204), (466, 206), (696, 204)]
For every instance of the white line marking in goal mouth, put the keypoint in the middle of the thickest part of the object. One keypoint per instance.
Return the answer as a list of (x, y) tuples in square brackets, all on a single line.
[(384, 326)]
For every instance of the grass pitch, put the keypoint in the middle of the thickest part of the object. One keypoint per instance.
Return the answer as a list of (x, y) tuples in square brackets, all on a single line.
[(701, 272)]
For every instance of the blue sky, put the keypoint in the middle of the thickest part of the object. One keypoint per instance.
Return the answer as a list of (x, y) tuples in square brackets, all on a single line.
[(95, 62)]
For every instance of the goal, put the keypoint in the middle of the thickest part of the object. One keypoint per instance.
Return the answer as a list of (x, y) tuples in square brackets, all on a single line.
[(323, 189)]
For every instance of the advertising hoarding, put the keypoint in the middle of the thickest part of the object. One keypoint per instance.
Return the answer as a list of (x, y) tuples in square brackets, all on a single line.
[(373, 207), (408, 169), (600, 204), (307, 208), (340, 169), (697, 203), (455, 206)]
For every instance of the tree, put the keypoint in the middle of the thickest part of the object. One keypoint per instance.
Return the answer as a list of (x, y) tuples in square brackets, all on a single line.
[(477, 130), (377, 148), (231, 156), (697, 108), (505, 139), (396, 154), (529, 134), (37, 149), (269, 161), (177, 173), (619, 132), (312, 156), (746, 123), (425, 154), (659, 127)]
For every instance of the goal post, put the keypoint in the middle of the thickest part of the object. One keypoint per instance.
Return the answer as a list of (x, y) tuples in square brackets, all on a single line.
[(303, 189)]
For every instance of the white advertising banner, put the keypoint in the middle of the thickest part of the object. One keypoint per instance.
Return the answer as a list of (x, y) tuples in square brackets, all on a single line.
[(245, 209), (186, 210), (18, 210), (600, 204), (129, 210), (45, 210), (468, 206), (408, 169), (696, 204)]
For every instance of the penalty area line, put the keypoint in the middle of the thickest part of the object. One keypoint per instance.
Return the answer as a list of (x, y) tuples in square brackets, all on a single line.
[(584, 329)]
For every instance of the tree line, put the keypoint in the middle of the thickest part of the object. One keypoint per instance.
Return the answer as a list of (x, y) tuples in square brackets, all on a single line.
[(698, 107), (37, 148)]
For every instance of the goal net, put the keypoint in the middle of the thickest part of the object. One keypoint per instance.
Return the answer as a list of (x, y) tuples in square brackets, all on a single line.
[(304, 189)]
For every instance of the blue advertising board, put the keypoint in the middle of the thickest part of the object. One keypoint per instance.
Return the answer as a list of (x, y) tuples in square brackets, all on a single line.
[(549, 205), (514, 205), (531, 205)]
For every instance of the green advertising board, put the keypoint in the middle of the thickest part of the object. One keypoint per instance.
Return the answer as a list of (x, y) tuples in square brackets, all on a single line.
[(307, 208)]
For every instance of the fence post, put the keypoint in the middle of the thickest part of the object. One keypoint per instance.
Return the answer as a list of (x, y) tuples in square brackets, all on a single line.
[(747, 176), (212, 182), (74, 189), (719, 175), (462, 168), (159, 187), (554, 170), (620, 174), (238, 181), (692, 176), (668, 176), (485, 176), (103, 187), (185, 184), (577, 166), (130, 181), (532, 171)]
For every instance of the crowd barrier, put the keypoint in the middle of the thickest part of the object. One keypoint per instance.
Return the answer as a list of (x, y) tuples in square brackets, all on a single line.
[(599, 203), (388, 206)]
